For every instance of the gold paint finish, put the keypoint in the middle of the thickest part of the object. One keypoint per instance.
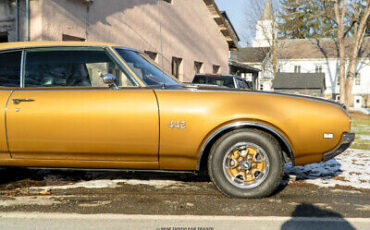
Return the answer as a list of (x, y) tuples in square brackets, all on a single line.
[(128, 128), (302, 122), (84, 124), (4, 95)]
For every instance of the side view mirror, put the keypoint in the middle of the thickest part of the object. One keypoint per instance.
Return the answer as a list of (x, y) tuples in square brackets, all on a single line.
[(109, 79)]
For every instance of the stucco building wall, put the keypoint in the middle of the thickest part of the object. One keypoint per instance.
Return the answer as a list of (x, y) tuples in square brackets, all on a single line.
[(7, 21), (188, 30)]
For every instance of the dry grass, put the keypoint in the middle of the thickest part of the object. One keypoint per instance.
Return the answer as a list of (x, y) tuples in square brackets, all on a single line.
[(361, 127), (357, 115)]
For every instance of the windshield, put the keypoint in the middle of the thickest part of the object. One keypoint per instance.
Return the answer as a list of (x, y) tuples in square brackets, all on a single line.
[(145, 69)]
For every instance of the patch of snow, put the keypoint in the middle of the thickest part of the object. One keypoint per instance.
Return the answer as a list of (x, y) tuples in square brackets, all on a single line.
[(29, 200), (154, 183), (364, 137), (361, 110), (95, 204), (351, 168), (110, 184)]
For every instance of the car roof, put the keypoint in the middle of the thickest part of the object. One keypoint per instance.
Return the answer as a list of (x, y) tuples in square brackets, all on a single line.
[(33, 44)]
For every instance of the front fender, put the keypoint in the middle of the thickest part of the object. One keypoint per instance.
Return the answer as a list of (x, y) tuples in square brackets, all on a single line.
[(215, 134)]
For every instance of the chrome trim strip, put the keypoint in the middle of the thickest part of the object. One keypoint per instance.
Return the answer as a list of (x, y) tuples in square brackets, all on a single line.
[(235, 83), (5, 122), (23, 61), (116, 169), (241, 125)]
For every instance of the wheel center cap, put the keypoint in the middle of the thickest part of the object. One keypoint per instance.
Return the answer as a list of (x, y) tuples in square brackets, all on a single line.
[(246, 165)]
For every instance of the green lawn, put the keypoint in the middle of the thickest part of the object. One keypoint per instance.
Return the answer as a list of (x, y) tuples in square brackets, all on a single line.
[(361, 127)]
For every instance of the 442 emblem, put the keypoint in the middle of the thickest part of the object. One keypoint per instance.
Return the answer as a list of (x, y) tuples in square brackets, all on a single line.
[(177, 124)]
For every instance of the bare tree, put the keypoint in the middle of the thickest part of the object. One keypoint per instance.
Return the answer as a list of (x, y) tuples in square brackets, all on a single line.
[(355, 27)]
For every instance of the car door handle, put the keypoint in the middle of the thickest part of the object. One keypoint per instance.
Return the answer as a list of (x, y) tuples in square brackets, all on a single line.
[(19, 100)]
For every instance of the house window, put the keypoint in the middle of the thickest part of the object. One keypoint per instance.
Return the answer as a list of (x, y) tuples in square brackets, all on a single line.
[(3, 37), (66, 37), (152, 55), (297, 69), (198, 67), (216, 69), (176, 66), (357, 78), (318, 69)]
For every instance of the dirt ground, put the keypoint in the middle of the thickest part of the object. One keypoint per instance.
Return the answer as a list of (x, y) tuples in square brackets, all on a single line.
[(167, 194)]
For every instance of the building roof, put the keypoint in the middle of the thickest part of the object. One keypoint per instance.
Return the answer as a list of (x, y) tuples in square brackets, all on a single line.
[(225, 29), (247, 68), (250, 54), (299, 81), (317, 48), (300, 49), (230, 25), (267, 13)]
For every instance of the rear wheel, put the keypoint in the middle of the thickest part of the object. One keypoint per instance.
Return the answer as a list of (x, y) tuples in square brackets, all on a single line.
[(246, 163)]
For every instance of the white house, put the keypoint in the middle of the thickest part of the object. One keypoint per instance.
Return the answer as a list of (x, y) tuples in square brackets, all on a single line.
[(306, 56), (322, 56)]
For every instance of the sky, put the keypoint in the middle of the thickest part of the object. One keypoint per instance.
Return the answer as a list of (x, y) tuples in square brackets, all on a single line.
[(237, 11), (244, 15)]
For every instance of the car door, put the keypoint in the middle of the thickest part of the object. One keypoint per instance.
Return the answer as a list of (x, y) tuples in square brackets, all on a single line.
[(65, 112), (10, 68)]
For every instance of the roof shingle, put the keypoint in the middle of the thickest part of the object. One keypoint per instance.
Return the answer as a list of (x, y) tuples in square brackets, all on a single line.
[(300, 49), (299, 81), (317, 48)]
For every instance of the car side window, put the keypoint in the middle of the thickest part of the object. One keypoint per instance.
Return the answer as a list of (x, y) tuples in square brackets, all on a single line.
[(10, 68), (71, 68)]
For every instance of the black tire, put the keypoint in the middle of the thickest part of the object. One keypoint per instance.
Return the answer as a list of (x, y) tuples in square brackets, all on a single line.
[(265, 183)]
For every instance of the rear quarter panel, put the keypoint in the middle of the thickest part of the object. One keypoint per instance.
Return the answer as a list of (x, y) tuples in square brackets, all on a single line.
[(301, 121)]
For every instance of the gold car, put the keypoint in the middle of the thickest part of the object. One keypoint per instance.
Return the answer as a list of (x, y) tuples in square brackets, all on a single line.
[(94, 105)]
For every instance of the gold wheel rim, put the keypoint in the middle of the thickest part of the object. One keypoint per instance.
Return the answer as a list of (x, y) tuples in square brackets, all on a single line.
[(246, 165)]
